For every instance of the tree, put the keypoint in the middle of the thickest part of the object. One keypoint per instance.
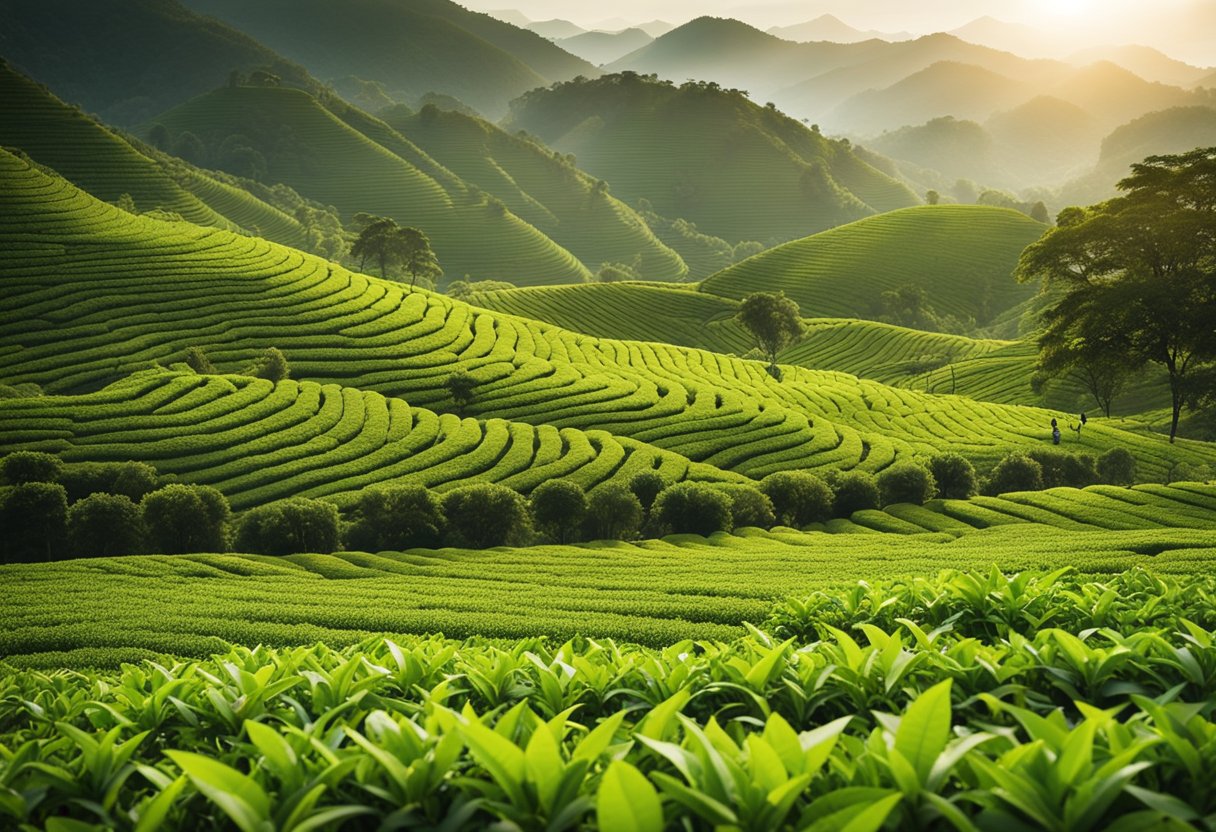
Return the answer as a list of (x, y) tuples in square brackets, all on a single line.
[(30, 466), (460, 386), (105, 525), (419, 258), (186, 518), (397, 517), (692, 508), (613, 513), (559, 508), (646, 486), (906, 482), (1039, 212), (749, 506), (854, 491), (1015, 472), (932, 197), (799, 498), (954, 475), (1136, 275), (287, 527), (270, 365), (197, 360), (484, 515), (773, 320), (1117, 466), (34, 518)]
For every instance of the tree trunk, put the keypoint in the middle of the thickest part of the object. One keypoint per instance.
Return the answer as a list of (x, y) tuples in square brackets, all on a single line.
[(1175, 403), (383, 265)]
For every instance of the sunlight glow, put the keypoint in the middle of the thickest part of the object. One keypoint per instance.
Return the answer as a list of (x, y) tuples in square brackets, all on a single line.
[(1066, 8)]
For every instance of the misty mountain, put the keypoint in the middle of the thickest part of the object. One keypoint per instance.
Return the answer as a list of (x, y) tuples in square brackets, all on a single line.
[(1145, 62), (410, 47), (555, 29), (605, 47), (831, 28)]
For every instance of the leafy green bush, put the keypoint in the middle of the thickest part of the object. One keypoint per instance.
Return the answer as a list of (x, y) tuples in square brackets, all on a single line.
[(270, 365), (105, 525), (396, 517), (854, 491), (954, 475), (1061, 468), (558, 508), (134, 480), (131, 479), (30, 466), (906, 482), (291, 526), (692, 508), (614, 512), (646, 486), (798, 498), (749, 506), (1117, 466), (33, 516), (1015, 472), (186, 518), (484, 515)]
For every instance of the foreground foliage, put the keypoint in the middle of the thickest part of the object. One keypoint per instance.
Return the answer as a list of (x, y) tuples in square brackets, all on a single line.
[(1053, 702)]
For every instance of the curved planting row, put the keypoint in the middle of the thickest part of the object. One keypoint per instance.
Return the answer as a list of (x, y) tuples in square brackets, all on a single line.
[(256, 441), (1111, 508), (654, 592), (113, 293)]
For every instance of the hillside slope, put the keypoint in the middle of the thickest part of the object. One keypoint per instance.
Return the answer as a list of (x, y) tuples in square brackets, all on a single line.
[(92, 294), (412, 47), (711, 156), (107, 165), (962, 256), (127, 60), (543, 188), (358, 163)]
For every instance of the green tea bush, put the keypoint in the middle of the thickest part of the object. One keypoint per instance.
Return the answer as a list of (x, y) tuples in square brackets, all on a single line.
[(1015, 472), (485, 515), (33, 516), (285, 527), (30, 466), (1061, 468), (692, 508), (749, 506), (558, 508), (906, 482), (798, 498), (854, 491), (954, 475), (646, 487), (186, 518), (1117, 466), (396, 517), (105, 525), (614, 512), (270, 365)]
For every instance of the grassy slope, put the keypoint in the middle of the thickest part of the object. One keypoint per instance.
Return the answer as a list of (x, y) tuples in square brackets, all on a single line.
[(129, 62), (107, 165), (737, 170), (544, 190), (333, 162), (257, 442), (92, 293), (411, 48), (961, 255)]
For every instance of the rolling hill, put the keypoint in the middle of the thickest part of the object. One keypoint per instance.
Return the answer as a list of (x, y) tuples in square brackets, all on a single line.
[(543, 188), (361, 164), (411, 47), (127, 60), (107, 165), (93, 294), (737, 170), (605, 47), (830, 28), (962, 256)]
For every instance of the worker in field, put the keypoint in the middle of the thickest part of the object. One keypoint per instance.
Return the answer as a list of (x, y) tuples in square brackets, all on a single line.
[(1055, 431)]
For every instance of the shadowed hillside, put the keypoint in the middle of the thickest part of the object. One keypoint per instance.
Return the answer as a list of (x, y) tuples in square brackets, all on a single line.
[(411, 47), (738, 170)]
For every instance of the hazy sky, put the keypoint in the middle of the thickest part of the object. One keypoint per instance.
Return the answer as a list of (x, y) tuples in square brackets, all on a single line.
[(1186, 28)]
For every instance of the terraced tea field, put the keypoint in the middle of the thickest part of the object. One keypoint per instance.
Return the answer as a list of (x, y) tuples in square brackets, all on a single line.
[(961, 255), (82, 280)]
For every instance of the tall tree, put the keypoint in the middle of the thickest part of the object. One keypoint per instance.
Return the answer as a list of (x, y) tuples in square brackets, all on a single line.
[(773, 319), (1138, 272), (420, 259), (377, 239)]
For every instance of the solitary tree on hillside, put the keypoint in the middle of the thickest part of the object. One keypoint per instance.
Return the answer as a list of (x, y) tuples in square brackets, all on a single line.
[(389, 244), (460, 386), (773, 319), (420, 259), (1138, 273)]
